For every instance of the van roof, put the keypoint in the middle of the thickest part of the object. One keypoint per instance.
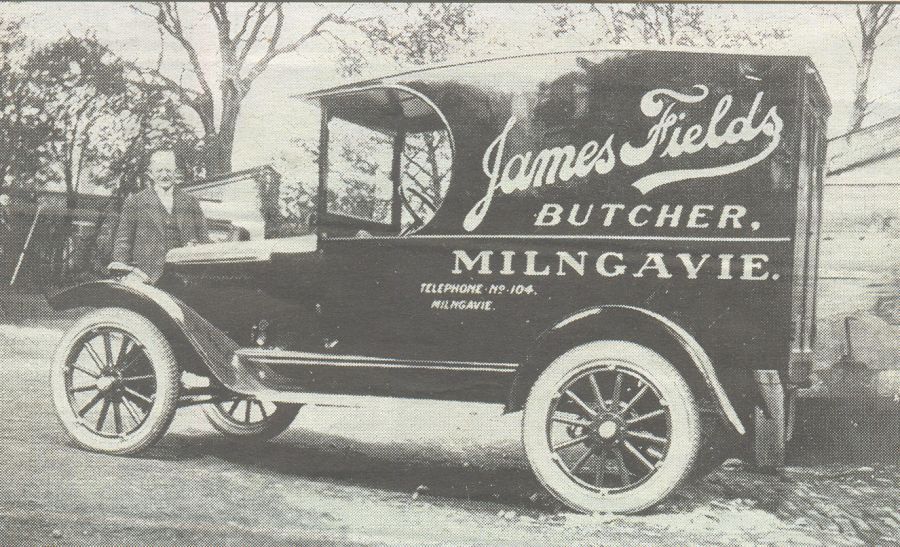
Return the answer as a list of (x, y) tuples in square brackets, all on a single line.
[(704, 51)]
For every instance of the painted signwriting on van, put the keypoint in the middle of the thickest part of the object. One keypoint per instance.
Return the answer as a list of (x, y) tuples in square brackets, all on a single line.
[(666, 138)]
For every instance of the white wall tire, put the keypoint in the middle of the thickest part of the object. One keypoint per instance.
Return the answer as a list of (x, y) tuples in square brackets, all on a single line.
[(115, 382), (587, 475), (244, 417)]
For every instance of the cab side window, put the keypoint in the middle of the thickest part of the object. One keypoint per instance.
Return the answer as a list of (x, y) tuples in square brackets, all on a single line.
[(425, 171)]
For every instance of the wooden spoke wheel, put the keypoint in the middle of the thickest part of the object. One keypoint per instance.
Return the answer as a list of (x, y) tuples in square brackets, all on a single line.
[(115, 382), (243, 416), (611, 426)]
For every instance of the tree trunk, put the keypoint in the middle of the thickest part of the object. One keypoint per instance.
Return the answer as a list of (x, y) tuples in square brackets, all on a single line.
[(861, 90), (218, 156), (212, 151), (63, 228), (220, 144), (873, 18)]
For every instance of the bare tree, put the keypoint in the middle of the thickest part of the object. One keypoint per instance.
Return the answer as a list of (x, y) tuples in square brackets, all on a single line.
[(669, 24), (871, 24), (247, 44)]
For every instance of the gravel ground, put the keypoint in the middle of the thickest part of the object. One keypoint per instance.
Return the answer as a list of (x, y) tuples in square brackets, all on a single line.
[(429, 473)]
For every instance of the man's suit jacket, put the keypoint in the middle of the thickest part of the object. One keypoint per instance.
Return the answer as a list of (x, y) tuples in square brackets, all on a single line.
[(141, 235)]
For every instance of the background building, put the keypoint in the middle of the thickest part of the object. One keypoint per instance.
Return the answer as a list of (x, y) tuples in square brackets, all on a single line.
[(859, 266)]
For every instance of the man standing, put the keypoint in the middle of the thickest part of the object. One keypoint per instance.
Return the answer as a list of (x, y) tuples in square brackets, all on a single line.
[(157, 219)]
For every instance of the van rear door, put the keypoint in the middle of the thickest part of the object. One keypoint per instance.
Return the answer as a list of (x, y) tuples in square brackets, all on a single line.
[(806, 239)]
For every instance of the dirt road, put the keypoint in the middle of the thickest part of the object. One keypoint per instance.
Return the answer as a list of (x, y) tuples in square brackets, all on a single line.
[(451, 474)]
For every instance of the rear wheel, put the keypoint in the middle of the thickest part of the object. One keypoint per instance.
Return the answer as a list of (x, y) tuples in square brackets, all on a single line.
[(115, 382), (246, 417), (611, 426)]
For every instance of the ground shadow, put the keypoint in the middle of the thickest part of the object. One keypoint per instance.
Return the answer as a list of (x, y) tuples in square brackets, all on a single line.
[(446, 476), (400, 467)]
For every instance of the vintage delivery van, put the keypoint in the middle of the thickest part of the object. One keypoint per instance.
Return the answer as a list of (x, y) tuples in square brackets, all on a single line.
[(617, 243)]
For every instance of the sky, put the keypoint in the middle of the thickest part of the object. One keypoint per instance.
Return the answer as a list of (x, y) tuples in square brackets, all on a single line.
[(270, 118)]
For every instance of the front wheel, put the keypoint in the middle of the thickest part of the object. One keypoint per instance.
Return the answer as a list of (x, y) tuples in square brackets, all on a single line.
[(115, 382), (611, 427), (245, 417)]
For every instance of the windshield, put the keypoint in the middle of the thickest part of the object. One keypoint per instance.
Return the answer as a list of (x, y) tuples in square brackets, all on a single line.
[(359, 182)]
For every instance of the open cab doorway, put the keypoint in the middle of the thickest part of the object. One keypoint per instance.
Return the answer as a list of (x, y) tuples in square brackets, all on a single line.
[(385, 161)]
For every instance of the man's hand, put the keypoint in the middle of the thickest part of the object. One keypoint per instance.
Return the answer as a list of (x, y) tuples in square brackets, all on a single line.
[(136, 277), (127, 274)]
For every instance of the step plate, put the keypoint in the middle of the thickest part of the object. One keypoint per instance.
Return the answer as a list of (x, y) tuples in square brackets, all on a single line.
[(302, 358), (313, 378)]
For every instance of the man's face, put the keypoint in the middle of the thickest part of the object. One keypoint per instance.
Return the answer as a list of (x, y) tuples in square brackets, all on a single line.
[(163, 171)]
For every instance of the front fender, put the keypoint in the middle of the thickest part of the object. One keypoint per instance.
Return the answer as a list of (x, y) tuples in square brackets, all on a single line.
[(591, 321), (194, 339)]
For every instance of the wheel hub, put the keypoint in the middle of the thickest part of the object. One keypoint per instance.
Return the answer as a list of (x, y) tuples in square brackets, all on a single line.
[(607, 429), (107, 384)]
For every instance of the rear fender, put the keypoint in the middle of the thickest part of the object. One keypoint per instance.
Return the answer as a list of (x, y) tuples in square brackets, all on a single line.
[(634, 324), (195, 341)]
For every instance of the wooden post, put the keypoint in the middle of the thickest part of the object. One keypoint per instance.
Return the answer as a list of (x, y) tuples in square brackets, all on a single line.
[(25, 246)]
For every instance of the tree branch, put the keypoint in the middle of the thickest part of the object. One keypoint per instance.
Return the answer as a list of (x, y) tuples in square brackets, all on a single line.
[(274, 51), (219, 12), (227, 47), (168, 18), (846, 34), (247, 17), (168, 84), (883, 17), (261, 18), (887, 39), (869, 103), (142, 12)]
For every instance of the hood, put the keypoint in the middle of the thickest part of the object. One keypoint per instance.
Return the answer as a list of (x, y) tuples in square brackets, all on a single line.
[(242, 251)]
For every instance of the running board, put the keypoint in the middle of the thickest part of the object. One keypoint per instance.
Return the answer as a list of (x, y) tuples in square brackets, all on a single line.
[(281, 358), (373, 402)]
